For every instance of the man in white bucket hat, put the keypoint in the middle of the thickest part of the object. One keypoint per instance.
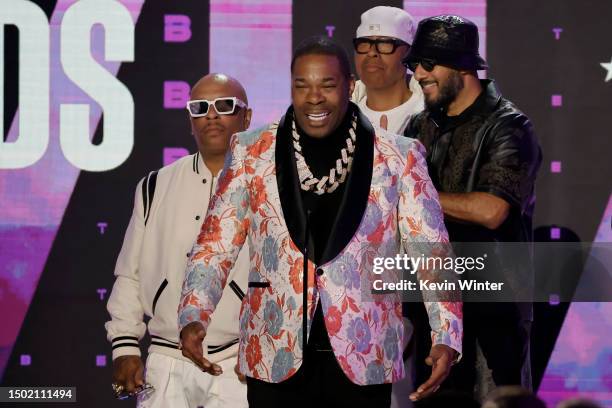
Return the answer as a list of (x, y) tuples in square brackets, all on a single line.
[(386, 93)]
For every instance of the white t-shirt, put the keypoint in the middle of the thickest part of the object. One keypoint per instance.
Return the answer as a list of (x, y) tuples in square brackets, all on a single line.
[(398, 117)]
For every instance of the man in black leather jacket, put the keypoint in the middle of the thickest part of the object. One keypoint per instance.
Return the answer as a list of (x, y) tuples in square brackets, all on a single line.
[(483, 158)]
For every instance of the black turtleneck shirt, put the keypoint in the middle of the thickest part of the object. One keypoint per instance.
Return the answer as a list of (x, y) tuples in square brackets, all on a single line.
[(321, 155)]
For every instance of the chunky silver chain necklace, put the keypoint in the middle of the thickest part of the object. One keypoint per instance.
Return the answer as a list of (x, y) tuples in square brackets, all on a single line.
[(337, 175)]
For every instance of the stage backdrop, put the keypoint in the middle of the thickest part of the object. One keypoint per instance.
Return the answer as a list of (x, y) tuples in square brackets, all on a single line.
[(93, 99)]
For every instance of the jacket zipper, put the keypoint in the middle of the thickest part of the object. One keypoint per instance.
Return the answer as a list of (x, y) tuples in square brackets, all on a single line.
[(435, 142), (212, 182)]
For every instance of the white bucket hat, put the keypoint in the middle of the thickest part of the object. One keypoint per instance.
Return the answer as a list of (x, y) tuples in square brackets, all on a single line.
[(385, 21)]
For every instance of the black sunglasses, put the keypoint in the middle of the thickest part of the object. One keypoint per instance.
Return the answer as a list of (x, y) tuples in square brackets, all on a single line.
[(363, 45), (427, 64)]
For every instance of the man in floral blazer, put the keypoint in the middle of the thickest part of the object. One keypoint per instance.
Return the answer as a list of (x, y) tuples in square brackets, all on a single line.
[(373, 194)]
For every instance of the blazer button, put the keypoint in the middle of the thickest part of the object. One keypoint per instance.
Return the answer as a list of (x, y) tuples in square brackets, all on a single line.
[(204, 181), (188, 254), (319, 271), (197, 217)]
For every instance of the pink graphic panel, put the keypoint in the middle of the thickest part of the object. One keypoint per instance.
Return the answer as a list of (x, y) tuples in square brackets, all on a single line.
[(251, 41), (33, 199), (581, 364)]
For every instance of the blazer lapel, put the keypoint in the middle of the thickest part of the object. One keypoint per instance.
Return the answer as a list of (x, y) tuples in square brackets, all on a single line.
[(356, 192), (289, 187)]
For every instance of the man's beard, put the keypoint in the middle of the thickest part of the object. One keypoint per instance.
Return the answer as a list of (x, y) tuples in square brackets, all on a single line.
[(448, 93)]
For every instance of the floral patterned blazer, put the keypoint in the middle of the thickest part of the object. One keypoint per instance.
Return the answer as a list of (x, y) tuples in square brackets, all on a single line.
[(388, 200)]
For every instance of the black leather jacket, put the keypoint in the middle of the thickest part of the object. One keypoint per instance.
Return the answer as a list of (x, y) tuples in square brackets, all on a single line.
[(490, 147)]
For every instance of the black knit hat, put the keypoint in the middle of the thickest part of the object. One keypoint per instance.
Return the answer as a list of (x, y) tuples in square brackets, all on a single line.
[(447, 40)]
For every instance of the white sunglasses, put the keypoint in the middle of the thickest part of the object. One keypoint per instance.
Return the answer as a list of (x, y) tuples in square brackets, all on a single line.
[(224, 106)]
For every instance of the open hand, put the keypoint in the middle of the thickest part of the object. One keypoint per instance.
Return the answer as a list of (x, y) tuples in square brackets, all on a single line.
[(441, 358)]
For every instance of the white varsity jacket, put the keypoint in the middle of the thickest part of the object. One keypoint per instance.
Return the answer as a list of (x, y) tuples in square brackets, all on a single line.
[(151, 265)]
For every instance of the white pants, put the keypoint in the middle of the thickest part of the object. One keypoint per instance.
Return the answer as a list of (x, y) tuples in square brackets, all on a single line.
[(180, 384)]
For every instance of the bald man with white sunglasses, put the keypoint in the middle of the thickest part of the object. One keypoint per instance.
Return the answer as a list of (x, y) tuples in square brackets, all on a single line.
[(170, 205)]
